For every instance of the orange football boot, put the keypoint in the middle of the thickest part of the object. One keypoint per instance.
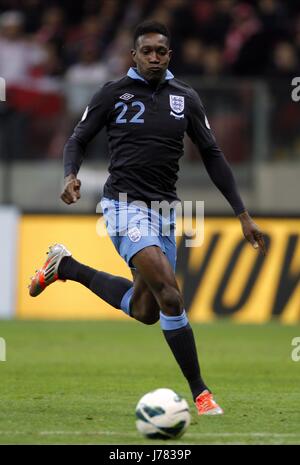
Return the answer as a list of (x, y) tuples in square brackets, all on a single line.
[(206, 405), (48, 274)]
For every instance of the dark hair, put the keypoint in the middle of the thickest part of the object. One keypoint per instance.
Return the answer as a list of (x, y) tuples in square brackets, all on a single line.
[(149, 26)]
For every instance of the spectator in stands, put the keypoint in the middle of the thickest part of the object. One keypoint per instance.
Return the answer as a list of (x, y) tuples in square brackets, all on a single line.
[(191, 58), (285, 62), (90, 30), (134, 11), (273, 15), (213, 20), (89, 69), (116, 58), (84, 77), (18, 54), (246, 25), (213, 65), (53, 30)]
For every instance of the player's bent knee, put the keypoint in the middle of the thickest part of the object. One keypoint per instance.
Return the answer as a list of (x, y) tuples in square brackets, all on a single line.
[(145, 314), (148, 318), (171, 301)]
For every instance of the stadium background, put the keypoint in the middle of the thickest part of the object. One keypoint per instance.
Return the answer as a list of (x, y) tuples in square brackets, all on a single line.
[(241, 57), (78, 381)]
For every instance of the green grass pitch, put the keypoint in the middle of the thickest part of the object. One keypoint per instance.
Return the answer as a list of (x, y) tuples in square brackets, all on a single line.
[(79, 382)]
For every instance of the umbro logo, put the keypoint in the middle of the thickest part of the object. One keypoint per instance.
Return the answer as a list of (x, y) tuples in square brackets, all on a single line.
[(126, 96)]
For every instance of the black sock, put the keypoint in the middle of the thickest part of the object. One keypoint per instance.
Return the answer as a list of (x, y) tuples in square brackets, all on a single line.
[(182, 344), (75, 271), (107, 286)]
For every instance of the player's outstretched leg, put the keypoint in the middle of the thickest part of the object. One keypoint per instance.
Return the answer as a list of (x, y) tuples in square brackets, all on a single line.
[(156, 271), (60, 265), (115, 290)]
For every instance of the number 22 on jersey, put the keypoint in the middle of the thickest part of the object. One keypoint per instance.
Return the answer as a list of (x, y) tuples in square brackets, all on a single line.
[(121, 118)]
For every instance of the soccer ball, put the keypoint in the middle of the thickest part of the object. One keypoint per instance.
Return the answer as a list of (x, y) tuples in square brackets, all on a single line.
[(162, 414)]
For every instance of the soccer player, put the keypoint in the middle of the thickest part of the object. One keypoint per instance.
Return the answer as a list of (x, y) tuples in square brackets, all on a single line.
[(146, 114)]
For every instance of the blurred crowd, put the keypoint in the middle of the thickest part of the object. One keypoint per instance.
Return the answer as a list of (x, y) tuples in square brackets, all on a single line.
[(53, 54), (90, 40)]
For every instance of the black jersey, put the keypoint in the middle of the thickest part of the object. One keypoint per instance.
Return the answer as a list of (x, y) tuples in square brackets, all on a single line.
[(145, 128)]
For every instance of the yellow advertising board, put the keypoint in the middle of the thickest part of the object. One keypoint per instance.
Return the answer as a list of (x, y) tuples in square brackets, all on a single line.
[(225, 277), (65, 300)]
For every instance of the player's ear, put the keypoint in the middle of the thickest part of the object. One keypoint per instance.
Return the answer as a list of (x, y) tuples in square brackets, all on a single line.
[(170, 53), (133, 54)]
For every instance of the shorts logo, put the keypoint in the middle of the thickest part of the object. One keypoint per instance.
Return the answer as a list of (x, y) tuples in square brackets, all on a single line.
[(134, 234), (177, 105), (126, 96)]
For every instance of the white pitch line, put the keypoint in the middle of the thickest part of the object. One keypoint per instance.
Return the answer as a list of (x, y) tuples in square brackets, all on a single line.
[(196, 435), (133, 434)]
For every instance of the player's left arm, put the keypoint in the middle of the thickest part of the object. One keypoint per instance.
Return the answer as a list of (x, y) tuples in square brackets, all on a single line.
[(219, 170)]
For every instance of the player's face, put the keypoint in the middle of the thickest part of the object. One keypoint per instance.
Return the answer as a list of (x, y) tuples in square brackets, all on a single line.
[(152, 56)]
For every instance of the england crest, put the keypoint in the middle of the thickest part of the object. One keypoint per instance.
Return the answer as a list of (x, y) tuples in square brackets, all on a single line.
[(177, 103), (134, 234)]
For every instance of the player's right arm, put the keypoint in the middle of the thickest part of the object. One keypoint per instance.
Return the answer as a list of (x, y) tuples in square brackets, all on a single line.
[(93, 120)]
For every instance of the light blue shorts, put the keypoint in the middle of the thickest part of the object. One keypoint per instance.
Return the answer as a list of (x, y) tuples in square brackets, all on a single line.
[(132, 227)]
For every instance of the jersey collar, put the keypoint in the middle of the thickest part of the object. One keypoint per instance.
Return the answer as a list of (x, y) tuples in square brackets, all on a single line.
[(134, 74)]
